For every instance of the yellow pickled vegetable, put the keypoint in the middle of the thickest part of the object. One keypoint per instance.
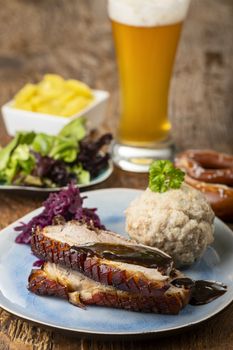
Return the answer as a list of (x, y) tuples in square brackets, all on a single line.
[(79, 87), (54, 95), (25, 94), (74, 105), (54, 79)]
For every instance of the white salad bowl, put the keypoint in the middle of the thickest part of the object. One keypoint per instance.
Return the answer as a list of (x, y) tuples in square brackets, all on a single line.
[(21, 120)]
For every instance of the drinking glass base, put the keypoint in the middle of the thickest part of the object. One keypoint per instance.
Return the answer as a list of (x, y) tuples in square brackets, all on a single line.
[(138, 159)]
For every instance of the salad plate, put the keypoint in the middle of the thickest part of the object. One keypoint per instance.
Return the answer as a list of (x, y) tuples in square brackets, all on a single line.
[(47, 163), (104, 175), (16, 263)]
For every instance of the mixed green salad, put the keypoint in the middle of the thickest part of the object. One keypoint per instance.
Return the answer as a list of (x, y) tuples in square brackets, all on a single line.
[(42, 160)]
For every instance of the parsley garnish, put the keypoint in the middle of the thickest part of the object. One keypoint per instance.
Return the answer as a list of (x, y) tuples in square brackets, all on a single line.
[(163, 176)]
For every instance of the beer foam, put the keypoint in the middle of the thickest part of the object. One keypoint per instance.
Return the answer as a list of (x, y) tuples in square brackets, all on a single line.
[(148, 13)]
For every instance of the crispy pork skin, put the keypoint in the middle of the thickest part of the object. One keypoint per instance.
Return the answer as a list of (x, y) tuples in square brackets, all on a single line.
[(80, 290), (63, 244)]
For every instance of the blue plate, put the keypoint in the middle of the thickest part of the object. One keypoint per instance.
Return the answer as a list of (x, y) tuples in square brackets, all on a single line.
[(16, 263)]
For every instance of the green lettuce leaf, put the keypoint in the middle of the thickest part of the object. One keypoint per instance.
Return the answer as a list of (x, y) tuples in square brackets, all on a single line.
[(75, 129), (43, 143), (64, 149), (20, 138), (83, 176), (21, 163)]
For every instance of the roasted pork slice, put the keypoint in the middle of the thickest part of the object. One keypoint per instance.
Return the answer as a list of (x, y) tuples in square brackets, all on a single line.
[(105, 257), (80, 290)]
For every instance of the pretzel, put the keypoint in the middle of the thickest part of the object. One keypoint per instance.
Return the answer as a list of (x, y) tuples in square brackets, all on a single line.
[(211, 173)]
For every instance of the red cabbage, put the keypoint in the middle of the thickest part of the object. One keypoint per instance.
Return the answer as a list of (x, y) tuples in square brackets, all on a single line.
[(67, 204)]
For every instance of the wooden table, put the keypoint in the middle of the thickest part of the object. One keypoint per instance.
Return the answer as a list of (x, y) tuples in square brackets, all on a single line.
[(73, 38)]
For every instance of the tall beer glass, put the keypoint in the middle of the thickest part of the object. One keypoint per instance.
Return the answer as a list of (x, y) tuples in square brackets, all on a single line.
[(146, 34)]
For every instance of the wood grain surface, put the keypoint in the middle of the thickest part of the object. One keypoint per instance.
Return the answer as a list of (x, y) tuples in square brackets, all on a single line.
[(73, 38)]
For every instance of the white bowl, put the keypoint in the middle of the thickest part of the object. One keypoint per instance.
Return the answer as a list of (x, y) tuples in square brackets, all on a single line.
[(21, 120)]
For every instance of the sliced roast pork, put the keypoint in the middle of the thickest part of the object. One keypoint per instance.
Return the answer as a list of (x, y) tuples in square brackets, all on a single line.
[(56, 280), (90, 266), (106, 258)]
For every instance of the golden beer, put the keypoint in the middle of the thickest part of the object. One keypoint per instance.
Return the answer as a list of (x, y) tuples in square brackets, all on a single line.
[(146, 34), (145, 57)]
